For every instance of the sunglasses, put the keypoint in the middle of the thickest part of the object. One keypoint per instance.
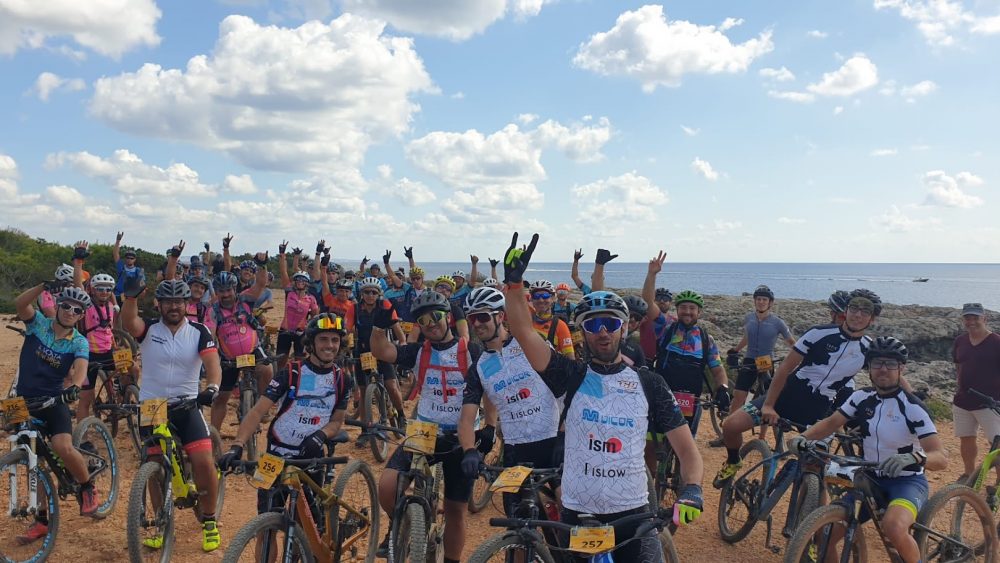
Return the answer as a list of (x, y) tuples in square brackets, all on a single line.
[(635, 319), (442, 288), (887, 364), (72, 308), (859, 310), (102, 289), (541, 295), (326, 323), (480, 318), (369, 292), (428, 319), (594, 325)]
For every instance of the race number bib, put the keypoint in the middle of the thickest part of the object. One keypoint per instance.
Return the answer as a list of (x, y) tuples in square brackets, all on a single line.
[(763, 363), (591, 540), (153, 412), (407, 327), (368, 362), (511, 479), (123, 359), (245, 361), (420, 437), (268, 468), (14, 411), (687, 402)]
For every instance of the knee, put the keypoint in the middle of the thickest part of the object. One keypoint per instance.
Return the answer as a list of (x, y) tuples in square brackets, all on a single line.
[(896, 526), (62, 444)]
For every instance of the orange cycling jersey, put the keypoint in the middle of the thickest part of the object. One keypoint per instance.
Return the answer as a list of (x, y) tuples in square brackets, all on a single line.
[(561, 339), (343, 308)]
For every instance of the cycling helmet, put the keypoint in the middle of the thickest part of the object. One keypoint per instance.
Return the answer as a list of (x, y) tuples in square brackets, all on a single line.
[(201, 280), (541, 285), (173, 289), (838, 301), (484, 299), (636, 305), (75, 294), (248, 265), (430, 301), (688, 296), (663, 294), (270, 277), (333, 267), (491, 282), (445, 280), (129, 254), (763, 291), (328, 320), (372, 282), (887, 347), (224, 280), (301, 275), (64, 273), (458, 274), (345, 284), (416, 271), (869, 295), (600, 302), (562, 287), (102, 280)]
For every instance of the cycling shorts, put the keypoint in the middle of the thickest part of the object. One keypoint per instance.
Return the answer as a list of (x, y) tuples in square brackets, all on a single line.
[(747, 375), (231, 375), (55, 419), (796, 403), (286, 340), (908, 491), (188, 426), (540, 454), (457, 487), (98, 361)]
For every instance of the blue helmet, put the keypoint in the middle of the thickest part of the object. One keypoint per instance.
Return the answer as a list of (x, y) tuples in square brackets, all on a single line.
[(224, 280)]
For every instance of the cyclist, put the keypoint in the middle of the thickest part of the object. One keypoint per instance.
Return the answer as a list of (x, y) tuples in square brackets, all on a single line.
[(173, 353), (97, 327), (445, 285), (53, 353), (491, 282), (312, 404), (46, 302), (665, 300), (197, 307), (441, 363), (761, 330), (898, 433), (837, 302), (400, 292), (339, 304), (562, 308), (299, 306), (364, 313), (657, 303), (631, 348), (461, 288), (609, 408), (502, 374), (554, 330), (976, 354), (125, 264), (820, 367)]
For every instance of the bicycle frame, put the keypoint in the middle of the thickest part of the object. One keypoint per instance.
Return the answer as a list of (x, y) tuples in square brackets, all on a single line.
[(775, 487), (422, 474), (179, 480), (17, 441)]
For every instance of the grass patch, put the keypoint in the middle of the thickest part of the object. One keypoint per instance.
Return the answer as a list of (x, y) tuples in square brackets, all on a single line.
[(939, 410)]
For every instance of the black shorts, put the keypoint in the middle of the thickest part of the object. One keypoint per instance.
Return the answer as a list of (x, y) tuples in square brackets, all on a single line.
[(275, 498), (646, 549), (540, 455), (56, 419), (98, 360), (286, 340), (231, 375), (796, 403), (387, 370), (456, 486), (747, 375), (188, 426)]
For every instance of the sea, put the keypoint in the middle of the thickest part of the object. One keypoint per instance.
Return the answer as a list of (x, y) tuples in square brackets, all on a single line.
[(947, 285)]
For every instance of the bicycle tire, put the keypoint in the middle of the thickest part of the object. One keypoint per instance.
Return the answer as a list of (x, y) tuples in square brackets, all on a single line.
[(798, 550), (808, 500), (104, 396), (247, 401), (747, 490), (717, 419), (506, 542), (269, 522), (217, 452), (991, 475), (131, 397), (148, 473), (87, 430), (374, 399), (46, 544), (406, 381), (342, 520), (408, 536), (969, 506), (670, 554), (481, 493), (123, 338)]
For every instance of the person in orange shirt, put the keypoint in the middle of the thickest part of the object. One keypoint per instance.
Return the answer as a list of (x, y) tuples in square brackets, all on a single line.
[(339, 304), (553, 329)]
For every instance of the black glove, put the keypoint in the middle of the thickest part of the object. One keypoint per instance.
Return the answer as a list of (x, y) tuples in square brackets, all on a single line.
[(382, 317), (135, 286), (228, 239), (386, 256), (80, 253), (259, 260), (408, 252), (515, 260), (319, 248), (207, 247), (486, 436), (53, 286), (313, 446), (722, 399), (577, 255), (71, 393), (471, 460), (604, 256), (733, 359), (296, 251), (207, 397), (493, 263), (282, 247), (235, 453), (175, 252), (325, 260)]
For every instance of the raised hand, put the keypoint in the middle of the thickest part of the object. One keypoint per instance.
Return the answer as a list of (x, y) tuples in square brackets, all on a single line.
[(296, 251), (386, 256), (408, 252), (577, 255), (474, 258), (260, 258), (208, 247), (320, 246), (604, 256), (228, 239), (493, 263), (282, 247), (135, 286), (656, 264), (119, 236), (516, 259), (325, 260), (81, 250), (177, 249)]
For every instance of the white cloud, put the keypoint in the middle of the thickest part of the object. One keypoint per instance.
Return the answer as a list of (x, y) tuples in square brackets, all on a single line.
[(65, 195), (452, 19), (940, 21), (838, 110), (608, 205), (817, 34), (947, 191), (777, 74), (888, 88), (722, 225), (690, 131), (309, 98), (884, 152), (923, 88), (581, 143), (645, 45), (47, 82), (987, 26), (128, 174), (790, 220), (704, 168), (857, 74), (108, 27), (797, 97), (458, 96), (412, 192), (242, 184), (895, 221), (8, 167), (527, 118)]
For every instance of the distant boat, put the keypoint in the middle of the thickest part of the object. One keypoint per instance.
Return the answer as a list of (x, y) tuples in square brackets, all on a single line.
[(921, 279)]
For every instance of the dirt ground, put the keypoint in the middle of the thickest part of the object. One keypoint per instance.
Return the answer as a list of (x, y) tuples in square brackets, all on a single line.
[(105, 540)]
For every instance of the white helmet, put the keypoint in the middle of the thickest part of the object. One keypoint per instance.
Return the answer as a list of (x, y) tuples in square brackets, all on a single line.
[(102, 280), (64, 273), (542, 285), (301, 275), (484, 299), (458, 274), (491, 282), (371, 281)]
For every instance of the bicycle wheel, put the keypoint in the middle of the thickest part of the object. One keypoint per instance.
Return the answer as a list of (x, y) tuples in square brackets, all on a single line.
[(123, 339), (93, 439), (956, 525), (481, 494), (811, 541), (375, 412), (105, 401), (131, 397), (264, 537), (988, 489), (716, 417), (808, 500), (406, 380), (148, 523), (247, 400), (740, 498), (509, 546), (357, 534), (408, 537), (14, 488), (669, 549), (668, 478)]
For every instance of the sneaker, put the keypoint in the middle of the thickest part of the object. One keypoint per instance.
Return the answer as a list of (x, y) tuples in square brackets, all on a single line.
[(383, 548), (210, 536), (88, 500), (725, 475), (716, 443), (155, 542), (35, 532)]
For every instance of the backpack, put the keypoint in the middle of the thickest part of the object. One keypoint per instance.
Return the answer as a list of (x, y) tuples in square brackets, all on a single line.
[(425, 362), (295, 370)]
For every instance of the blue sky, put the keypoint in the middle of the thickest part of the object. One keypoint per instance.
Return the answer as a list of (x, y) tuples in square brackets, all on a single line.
[(723, 131)]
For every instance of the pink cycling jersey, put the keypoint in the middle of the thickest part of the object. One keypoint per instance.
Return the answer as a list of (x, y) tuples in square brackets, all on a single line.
[(46, 301), (208, 317), (297, 309), (235, 334), (97, 326)]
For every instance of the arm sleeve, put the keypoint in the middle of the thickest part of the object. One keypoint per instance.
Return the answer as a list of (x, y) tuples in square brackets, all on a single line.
[(407, 354), (803, 344), (562, 374), (919, 419), (277, 388), (473, 394), (664, 412), (206, 344), (34, 324), (714, 359)]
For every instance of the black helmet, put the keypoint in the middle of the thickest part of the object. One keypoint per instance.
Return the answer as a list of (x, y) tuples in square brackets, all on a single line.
[(663, 294), (430, 301), (838, 301), (224, 280), (636, 305), (871, 296), (200, 280), (763, 291), (887, 347), (173, 289), (324, 322)]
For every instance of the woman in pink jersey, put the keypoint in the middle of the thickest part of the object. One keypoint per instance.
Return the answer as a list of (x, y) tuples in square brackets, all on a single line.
[(97, 326), (300, 305)]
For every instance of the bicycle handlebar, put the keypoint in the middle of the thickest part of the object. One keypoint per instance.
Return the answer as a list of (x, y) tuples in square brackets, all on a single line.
[(18, 330), (991, 403), (266, 360), (244, 466), (663, 516)]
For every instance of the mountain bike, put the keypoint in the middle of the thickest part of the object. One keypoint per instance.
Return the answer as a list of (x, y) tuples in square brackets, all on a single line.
[(536, 488), (162, 484), (378, 408), (828, 531), (28, 468), (981, 480), (316, 524), (116, 396), (482, 492), (248, 392)]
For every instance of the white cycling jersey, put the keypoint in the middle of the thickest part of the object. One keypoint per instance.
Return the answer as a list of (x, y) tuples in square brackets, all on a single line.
[(171, 362)]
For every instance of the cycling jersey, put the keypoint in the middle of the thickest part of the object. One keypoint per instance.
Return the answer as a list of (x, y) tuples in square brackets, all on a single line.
[(171, 362), (607, 416), (45, 360), (889, 425), (364, 321), (528, 411), (125, 273), (201, 313), (46, 301), (401, 299), (297, 310), (443, 381), (96, 326), (564, 312), (650, 332), (307, 397), (681, 357), (236, 329), (343, 308), (460, 294), (561, 338), (762, 334), (830, 359)]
